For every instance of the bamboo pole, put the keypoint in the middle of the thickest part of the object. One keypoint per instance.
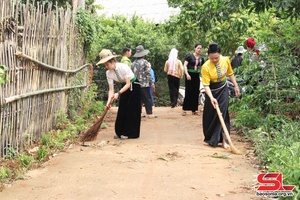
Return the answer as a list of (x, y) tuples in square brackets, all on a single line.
[(37, 87), (21, 96), (23, 55)]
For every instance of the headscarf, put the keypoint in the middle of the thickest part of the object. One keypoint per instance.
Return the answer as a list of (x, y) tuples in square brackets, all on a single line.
[(250, 42), (172, 60)]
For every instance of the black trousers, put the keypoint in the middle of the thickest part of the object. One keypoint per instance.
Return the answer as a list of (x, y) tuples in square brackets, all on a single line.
[(173, 83), (146, 100), (128, 120)]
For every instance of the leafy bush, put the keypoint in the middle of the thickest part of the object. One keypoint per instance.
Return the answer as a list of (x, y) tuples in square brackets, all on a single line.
[(25, 161), (11, 153), (247, 119), (279, 150), (42, 153), (5, 174), (273, 92), (287, 162), (86, 23)]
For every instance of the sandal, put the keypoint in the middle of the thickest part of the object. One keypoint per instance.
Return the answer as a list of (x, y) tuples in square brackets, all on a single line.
[(183, 113), (152, 116), (116, 137), (205, 143), (196, 113), (123, 137)]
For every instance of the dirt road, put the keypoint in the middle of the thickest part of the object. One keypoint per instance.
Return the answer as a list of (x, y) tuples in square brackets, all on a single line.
[(168, 162)]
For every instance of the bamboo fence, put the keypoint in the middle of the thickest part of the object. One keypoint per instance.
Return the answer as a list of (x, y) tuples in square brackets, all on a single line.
[(45, 62)]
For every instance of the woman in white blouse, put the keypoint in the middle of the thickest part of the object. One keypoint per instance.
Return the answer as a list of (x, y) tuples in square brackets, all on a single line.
[(128, 120)]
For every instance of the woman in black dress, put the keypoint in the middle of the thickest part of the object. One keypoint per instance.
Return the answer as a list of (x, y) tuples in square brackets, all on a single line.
[(192, 65)]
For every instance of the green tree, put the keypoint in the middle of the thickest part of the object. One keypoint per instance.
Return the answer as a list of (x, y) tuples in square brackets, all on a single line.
[(208, 21), (283, 9), (114, 33)]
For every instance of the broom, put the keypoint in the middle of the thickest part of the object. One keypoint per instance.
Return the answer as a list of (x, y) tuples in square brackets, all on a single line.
[(232, 147), (92, 133)]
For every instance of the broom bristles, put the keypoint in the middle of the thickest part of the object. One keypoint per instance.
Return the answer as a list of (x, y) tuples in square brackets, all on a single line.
[(235, 150), (92, 132)]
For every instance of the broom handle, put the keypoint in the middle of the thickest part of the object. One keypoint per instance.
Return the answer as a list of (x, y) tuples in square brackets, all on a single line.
[(223, 125), (107, 107)]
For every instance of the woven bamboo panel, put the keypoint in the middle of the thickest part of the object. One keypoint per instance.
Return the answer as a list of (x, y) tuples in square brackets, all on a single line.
[(38, 46)]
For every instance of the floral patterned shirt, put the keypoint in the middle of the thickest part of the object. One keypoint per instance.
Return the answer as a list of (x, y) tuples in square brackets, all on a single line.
[(141, 69)]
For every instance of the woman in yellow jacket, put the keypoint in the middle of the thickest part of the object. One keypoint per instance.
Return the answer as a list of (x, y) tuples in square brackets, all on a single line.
[(214, 73)]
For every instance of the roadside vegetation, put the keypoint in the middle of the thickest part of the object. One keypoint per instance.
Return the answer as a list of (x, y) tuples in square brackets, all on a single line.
[(15, 164), (268, 112)]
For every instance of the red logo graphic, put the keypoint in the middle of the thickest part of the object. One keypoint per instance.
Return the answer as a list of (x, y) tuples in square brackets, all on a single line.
[(272, 182)]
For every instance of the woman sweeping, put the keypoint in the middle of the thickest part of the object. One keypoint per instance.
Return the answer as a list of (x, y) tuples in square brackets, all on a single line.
[(128, 120), (214, 72)]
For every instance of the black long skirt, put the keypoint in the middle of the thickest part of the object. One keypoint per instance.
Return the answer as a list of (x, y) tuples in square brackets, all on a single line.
[(128, 120), (191, 97), (173, 83), (212, 127)]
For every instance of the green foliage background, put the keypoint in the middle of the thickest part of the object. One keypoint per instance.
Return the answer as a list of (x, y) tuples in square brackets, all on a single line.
[(115, 33)]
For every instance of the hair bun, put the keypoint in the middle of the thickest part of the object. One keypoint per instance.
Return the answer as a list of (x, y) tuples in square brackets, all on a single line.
[(213, 47)]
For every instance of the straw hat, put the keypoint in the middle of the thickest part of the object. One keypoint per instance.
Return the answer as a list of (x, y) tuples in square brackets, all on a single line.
[(105, 55), (140, 51), (240, 49)]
